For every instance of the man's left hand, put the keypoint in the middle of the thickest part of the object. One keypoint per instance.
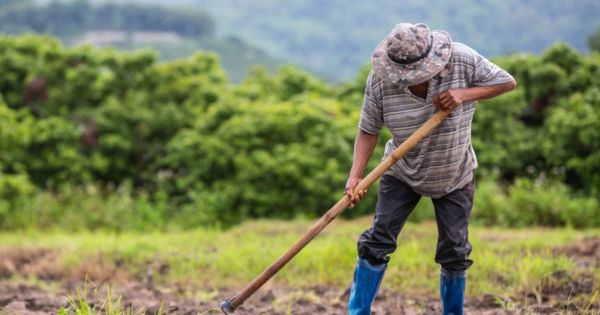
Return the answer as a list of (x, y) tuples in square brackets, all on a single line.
[(449, 99)]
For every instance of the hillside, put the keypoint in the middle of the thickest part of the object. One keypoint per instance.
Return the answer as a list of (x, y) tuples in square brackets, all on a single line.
[(336, 37), (173, 32)]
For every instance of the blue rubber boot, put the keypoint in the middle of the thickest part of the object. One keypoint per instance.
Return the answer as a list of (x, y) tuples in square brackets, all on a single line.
[(367, 278), (452, 291)]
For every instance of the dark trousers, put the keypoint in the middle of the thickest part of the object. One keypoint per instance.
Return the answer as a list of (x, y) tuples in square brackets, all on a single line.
[(396, 201)]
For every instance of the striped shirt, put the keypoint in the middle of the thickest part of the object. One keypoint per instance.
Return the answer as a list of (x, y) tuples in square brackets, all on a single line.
[(444, 160)]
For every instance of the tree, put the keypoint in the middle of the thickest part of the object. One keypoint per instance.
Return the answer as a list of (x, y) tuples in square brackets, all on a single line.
[(594, 41)]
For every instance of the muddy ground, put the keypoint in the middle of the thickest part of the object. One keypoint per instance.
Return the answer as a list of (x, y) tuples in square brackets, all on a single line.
[(559, 293)]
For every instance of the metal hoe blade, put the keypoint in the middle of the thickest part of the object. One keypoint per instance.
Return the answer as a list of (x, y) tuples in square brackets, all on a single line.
[(226, 307)]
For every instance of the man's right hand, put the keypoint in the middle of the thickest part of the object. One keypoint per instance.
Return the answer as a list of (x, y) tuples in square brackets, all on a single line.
[(349, 191), (363, 148)]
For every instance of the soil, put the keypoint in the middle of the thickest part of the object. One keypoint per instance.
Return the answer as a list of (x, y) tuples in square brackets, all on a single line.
[(147, 298), (559, 293), (585, 252)]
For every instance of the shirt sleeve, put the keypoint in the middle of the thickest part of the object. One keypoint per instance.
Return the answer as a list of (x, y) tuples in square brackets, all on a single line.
[(371, 116), (487, 73)]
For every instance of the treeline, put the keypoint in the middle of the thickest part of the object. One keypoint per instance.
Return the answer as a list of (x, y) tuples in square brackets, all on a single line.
[(335, 37), (70, 20), (99, 138), (73, 18)]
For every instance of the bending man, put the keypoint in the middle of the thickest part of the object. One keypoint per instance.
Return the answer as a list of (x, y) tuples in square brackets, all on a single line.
[(416, 71)]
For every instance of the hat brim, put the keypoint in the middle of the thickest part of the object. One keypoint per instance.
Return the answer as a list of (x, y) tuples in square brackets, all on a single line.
[(418, 71)]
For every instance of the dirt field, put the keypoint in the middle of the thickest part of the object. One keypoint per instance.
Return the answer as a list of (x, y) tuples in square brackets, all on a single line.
[(148, 298), (559, 293)]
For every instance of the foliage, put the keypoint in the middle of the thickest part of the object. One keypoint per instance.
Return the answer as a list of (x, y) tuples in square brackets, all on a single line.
[(546, 122), (594, 40), (99, 115), (105, 305), (280, 159), (573, 138), (70, 20), (88, 208), (503, 142), (139, 145), (534, 202), (332, 38)]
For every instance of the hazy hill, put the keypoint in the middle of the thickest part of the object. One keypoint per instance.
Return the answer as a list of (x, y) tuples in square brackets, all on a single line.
[(175, 32), (335, 37)]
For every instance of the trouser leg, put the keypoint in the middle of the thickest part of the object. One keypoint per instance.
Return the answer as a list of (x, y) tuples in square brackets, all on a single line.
[(452, 214), (395, 202)]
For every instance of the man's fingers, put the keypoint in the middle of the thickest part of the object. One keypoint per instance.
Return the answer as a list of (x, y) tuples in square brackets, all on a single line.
[(355, 198), (447, 99), (351, 198), (442, 99), (349, 194), (449, 103)]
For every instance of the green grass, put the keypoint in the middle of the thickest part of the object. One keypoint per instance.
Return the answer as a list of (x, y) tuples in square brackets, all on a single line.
[(108, 305), (507, 261)]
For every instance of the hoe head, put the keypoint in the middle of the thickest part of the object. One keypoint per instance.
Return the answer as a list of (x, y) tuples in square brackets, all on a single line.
[(227, 307)]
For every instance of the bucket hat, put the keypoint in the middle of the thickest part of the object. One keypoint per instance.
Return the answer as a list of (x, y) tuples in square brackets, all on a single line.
[(411, 54)]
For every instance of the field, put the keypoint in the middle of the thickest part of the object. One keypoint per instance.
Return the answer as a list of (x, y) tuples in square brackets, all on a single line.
[(532, 270), (135, 185)]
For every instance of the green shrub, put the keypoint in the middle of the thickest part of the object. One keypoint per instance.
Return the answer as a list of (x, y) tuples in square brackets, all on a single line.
[(187, 149), (87, 208), (262, 159), (491, 204), (15, 190), (572, 139), (534, 202)]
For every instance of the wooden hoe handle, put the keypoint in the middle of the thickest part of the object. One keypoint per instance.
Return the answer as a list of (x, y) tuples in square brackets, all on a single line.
[(228, 306)]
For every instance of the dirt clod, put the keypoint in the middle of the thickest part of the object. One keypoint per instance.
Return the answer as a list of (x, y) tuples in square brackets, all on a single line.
[(585, 252), (38, 262)]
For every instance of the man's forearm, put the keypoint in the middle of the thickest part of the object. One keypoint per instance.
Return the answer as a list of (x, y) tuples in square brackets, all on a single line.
[(450, 99), (485, 92), (364, 146)]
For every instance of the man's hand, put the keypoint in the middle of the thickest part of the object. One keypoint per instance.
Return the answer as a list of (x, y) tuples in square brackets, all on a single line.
[(450, 99), (349, 191)]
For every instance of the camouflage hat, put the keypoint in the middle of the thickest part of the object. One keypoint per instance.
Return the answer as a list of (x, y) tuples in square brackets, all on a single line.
[(411, 54)]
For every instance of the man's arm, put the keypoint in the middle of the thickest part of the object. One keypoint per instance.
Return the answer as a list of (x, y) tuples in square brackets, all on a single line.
[(450, 99), (364, 145)]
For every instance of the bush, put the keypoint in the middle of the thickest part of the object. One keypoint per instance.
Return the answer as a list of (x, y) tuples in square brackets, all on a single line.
[(185, 148), (502, 141), (262, 159), (534, 202), (572, 139), (88, 208), (15, 190)]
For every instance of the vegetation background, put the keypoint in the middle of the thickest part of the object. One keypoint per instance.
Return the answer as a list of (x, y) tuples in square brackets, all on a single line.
[(83, 126), (329, 38), (167, 139)]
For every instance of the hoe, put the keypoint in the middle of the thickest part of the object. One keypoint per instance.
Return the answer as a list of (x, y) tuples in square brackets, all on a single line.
[(228, 306)]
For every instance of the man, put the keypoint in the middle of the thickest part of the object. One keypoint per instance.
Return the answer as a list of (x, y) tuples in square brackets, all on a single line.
[(415, 72)]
